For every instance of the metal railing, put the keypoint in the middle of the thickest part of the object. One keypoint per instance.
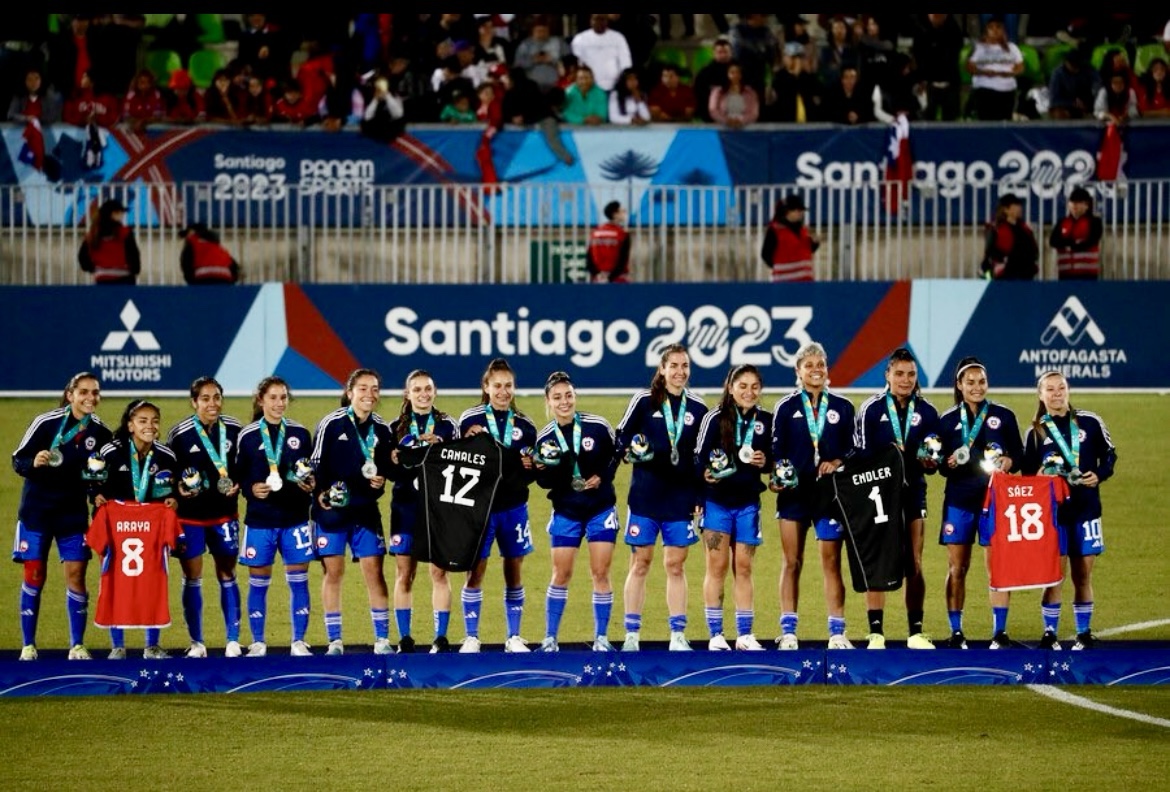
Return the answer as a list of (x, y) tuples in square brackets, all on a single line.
[(523, 233)]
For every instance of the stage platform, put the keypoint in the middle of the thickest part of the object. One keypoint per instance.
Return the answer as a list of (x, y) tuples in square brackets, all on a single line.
[(1117, 663)]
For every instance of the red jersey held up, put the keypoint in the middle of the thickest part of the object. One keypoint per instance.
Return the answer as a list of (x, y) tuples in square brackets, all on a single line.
[(1024, 551), (134, 541)]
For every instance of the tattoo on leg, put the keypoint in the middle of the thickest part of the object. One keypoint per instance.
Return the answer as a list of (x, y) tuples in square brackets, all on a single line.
[(714, 540)]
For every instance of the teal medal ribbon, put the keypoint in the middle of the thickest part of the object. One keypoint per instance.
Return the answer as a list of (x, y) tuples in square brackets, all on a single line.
[(272, 452), (64, 437), (367, 446), (892, 411), (674, 426), (509, 425), (744, 429), (140, 475), (578, 479), (815, 418), (218, 457), (1071, 453), (969, 433), (428, 429)]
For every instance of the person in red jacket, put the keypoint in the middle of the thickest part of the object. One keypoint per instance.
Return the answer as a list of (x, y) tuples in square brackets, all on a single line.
[(109, 250), (608, 254), (205, 260), (1077, 239), (1010, 251), (144, 102), (86, 106), (789, 245)]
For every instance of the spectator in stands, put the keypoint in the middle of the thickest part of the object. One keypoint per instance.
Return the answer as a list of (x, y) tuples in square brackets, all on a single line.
[(1153, 100), (837, 54), (606, 52), (875, 52), (266, 49), (458, 110), (109, 250), (585, 102), (1072, 88), (384, 115), (469, 67), (710, 76), (220, 101), (184, 105), (755, 46), (734, 104), (938, 41), (256, 103), (449, 80), (540, 54), (490, 103), (69, 56), (640, 35), (292, 107), (994, 65), (1077, 239), (796, 93), (1010, 251), (846, 102), (22, 43), (789, 246), (670, 100), (113, 43), (37, 101), (1010, 22), (525, 104), (901, 94), (317, 74), (688, 20), (1116, 101), (409, 84), (796, 29), (489, 47), (607, 256), (627, 102), (204, 259), (87, 106), (144, 102)]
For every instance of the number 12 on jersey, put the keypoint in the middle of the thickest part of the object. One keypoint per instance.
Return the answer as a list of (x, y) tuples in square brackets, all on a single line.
[(468, 478)]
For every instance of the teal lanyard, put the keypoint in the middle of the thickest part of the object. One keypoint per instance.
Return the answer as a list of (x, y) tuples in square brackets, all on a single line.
[(272, 452), (969, 434), (64, 437), (815, 420), (576, 443), (366, 447), (140, 476), (218, 459), (674, 426), (1072, 454), (429, 429), (509, 425), (744, 429), (892, 410)]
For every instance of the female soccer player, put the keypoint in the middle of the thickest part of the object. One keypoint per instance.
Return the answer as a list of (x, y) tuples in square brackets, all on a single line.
[(205, 449), (978, 436), (278, 482), (1085, 455), (734, 450), (659, 431), (418, 422), (812, 431), (900, 415), (52, 458), (580, 487), (139, 469), (508, 523), (350, 454)]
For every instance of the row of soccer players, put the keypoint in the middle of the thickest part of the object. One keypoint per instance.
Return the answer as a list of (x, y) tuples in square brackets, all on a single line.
[(695, 470)]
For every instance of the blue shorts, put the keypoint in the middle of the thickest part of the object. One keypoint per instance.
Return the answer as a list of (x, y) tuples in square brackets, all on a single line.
[(259, 545), (1082, 538), (509, 529), (34, 546), (798, 505), (220, 540), (642, 532), (742, 523), (363, 542), (829, 530), (565, 532), (958, 526), (402, 518)]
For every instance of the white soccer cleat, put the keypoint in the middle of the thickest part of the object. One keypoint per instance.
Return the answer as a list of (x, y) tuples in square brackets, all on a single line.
[(382, 646), (516, 644), (633, 642), (29, 652), (876, 641), (718, 644), (79, 652), (117, 653), (602, 644), (839, 642), (196, 650), (919, 641), (471, 645), (336, 648), (549, 644), (748, 643), (156, 652), (258, 649), (679, 642), (300, 649), (788, 642), (233, 649)]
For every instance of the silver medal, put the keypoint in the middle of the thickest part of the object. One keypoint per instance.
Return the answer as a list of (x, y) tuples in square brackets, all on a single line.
[(578, 484), (674, 456), (273, 481), (369, 469), (224, 485), (1074, 476), (746, 454), (962, 455), (55, 457)]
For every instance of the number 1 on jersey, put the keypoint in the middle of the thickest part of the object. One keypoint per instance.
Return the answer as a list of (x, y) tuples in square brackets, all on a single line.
[(875, 495)]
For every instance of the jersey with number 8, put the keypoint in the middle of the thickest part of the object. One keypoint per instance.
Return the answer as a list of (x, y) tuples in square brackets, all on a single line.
[(134, 542), (1020, 531)]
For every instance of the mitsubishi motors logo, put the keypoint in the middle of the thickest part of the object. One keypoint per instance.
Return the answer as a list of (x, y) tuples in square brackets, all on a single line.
[(1072, 322), (143, 339)]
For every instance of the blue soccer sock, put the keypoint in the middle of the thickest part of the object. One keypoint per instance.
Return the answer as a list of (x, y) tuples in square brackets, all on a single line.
[(30, 612), (472, 600), (333, 626), (402, 619), (602, 609), (743, 622), (117, 638), (677, 622), (955, 617), (836, 625), (633, 622), (381, 619), (153, 636), (192, 608), (258, 604), (998, 620), (714, 620), (788, 623), (513, 609), (1050, 614), (555, 600), (298, 584), (1083, 615), (229, 602), (442, 620), (77, 606)]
